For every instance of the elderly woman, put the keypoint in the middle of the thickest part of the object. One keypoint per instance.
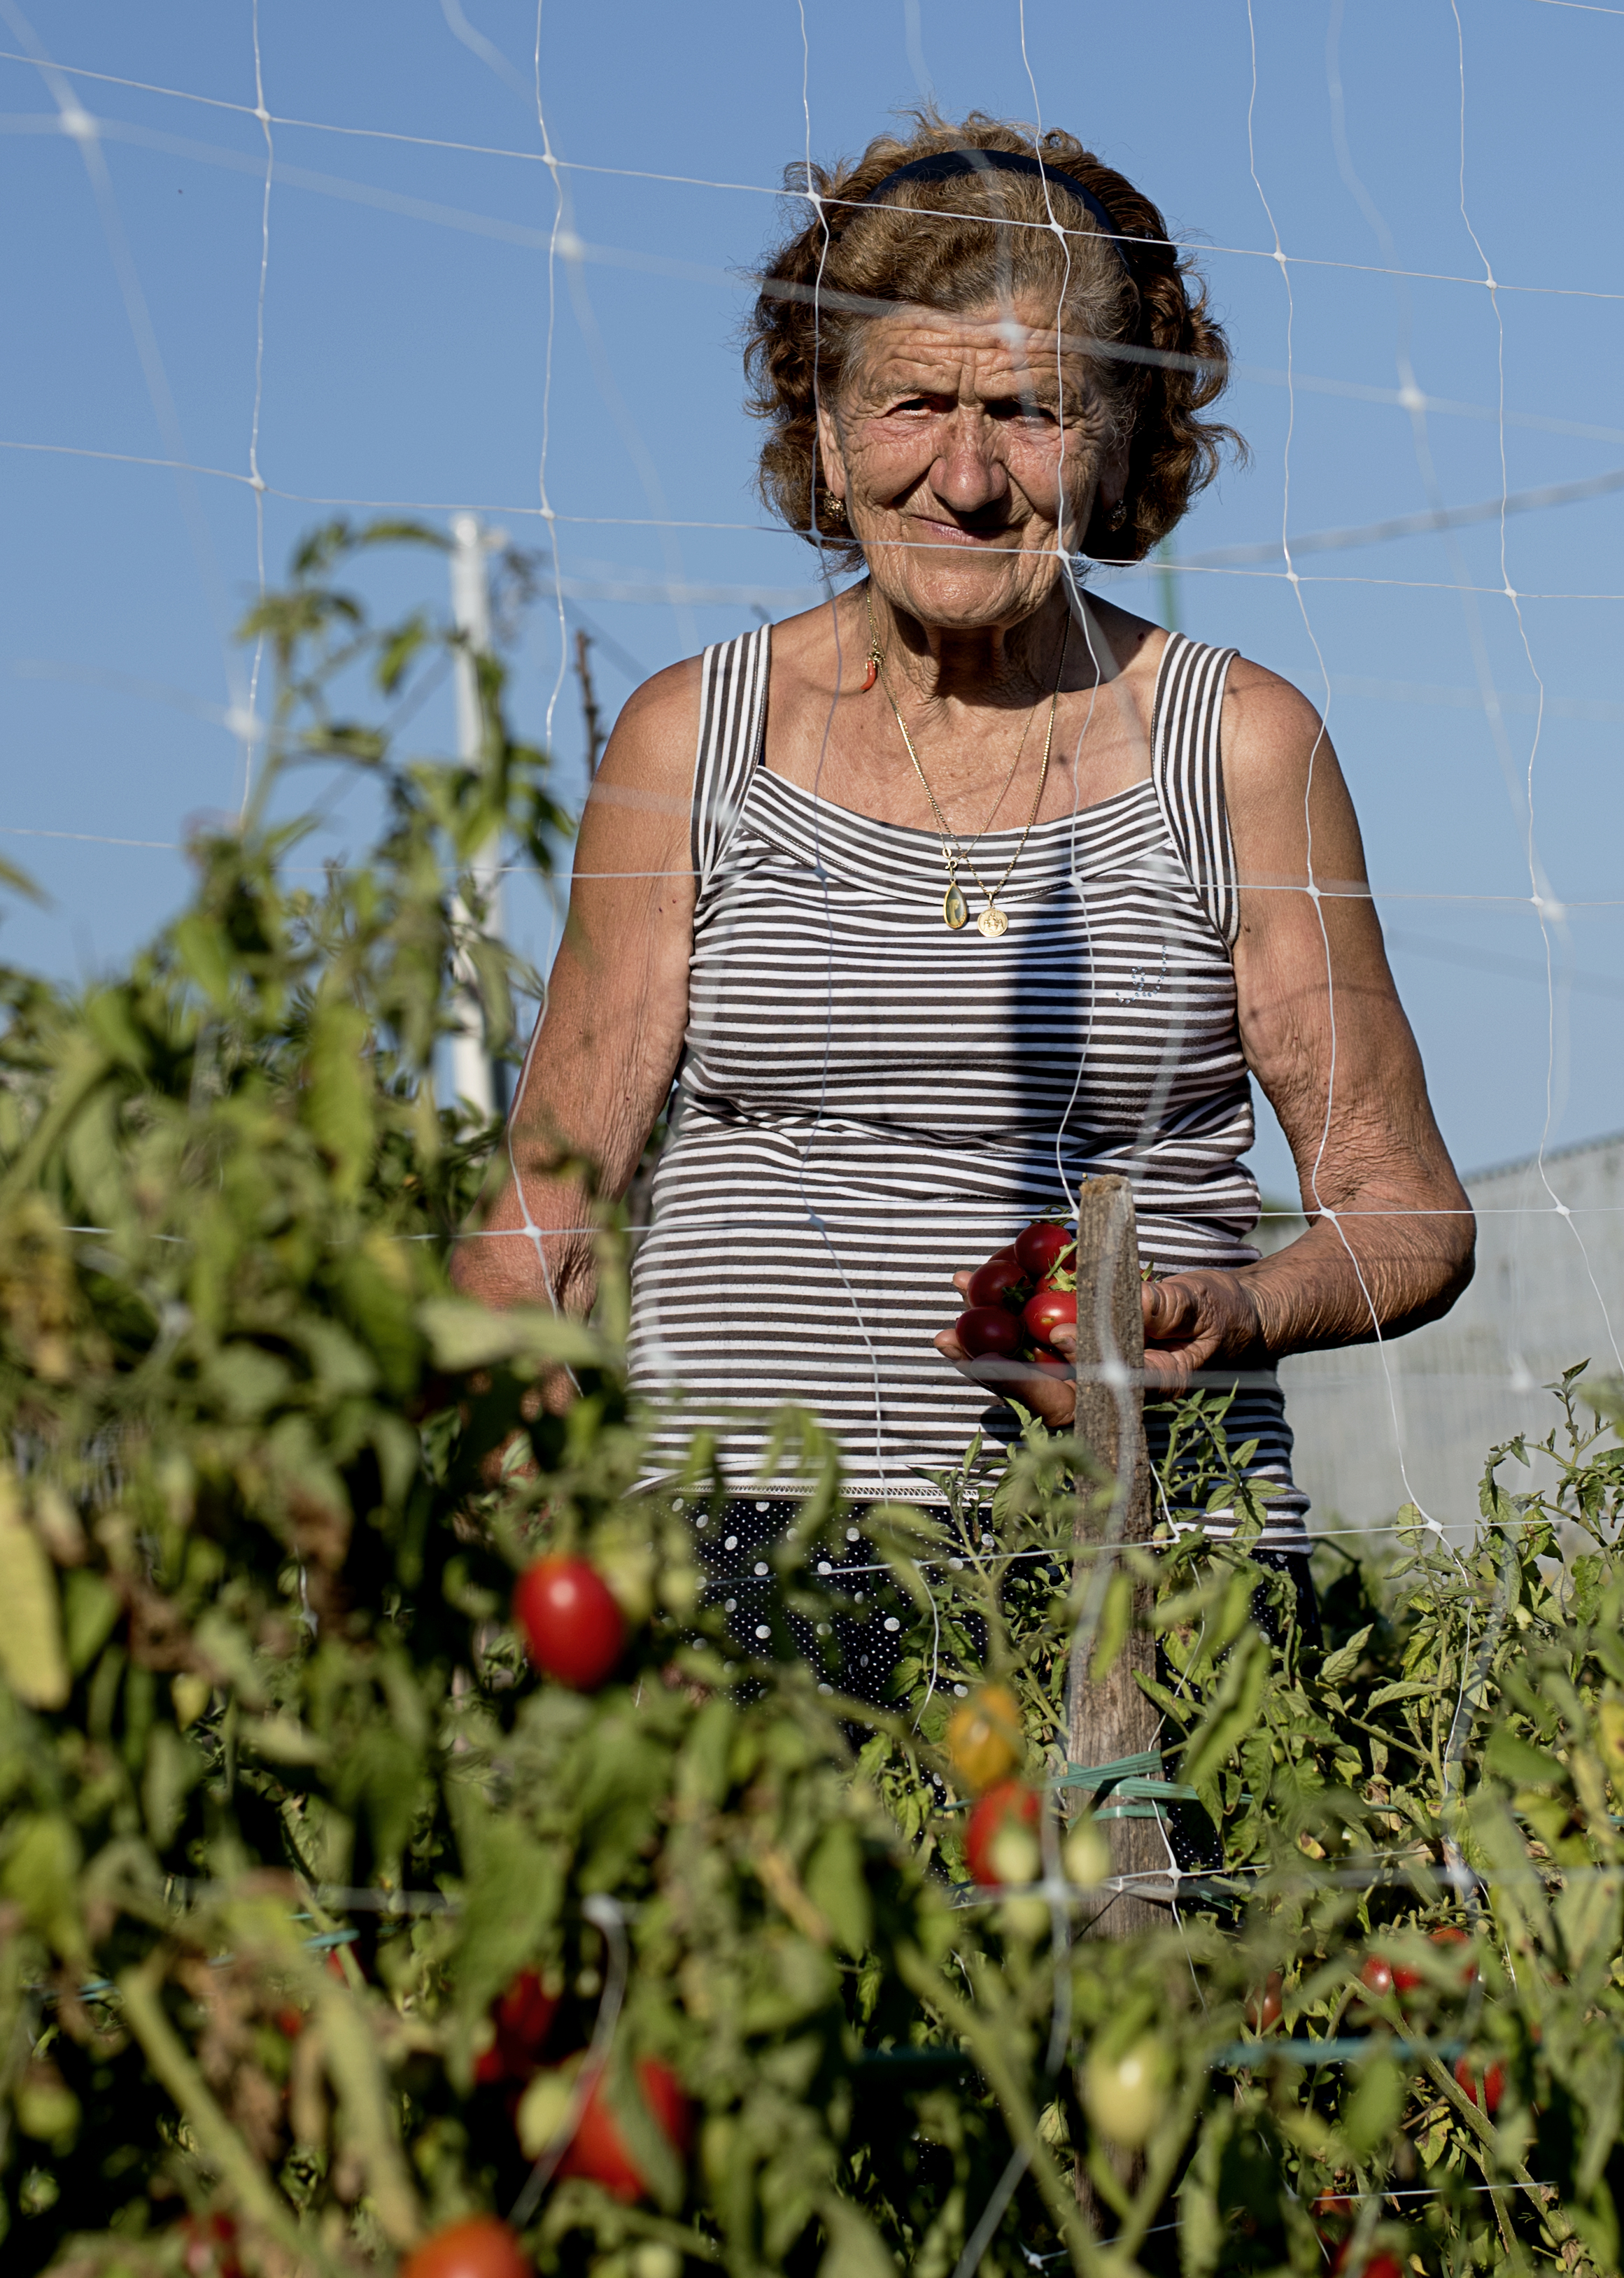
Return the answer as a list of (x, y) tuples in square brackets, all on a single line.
[(962, 888)]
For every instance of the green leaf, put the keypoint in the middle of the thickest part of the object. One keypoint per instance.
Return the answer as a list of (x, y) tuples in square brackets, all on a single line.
[(464, 1335), (1373, 2111), (1338, 1666), (42, 1858), (32, 1660), (855, 2249), (90, 1607), (838, 1888), (338, 1097)]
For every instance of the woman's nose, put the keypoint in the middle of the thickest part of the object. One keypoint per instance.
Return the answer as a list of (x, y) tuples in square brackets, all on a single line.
[(967, 475)]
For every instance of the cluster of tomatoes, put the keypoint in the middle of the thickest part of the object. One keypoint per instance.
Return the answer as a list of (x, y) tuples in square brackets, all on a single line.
[(1003, 1846), (1484, 2086), (1021, 1297), (575, 1632), (1382, 1978)]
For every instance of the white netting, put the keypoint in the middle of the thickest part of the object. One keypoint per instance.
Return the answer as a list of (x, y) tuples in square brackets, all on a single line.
[(491, 262)]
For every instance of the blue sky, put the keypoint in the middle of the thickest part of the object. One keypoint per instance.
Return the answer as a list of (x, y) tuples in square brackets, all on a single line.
[(406, 326)]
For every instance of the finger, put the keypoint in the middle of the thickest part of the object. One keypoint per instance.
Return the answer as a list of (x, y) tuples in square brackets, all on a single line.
[(947, 1344), (1168, 1307), (1167, 1372), (962, 1281)]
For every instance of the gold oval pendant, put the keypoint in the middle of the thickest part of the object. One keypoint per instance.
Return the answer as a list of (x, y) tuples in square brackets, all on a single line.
[(991, 922), (955, 909)]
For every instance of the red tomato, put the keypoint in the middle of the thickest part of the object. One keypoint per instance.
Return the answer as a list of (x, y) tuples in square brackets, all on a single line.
[(1042, 1246), (1404, 1976), (1451, 1934), (210, 2249), (1332, 2203), (999, 1282), (1044, 1313), (1379, 2266), (1492, 2083), (1264, 2006), (575, 1630), (1046, 1356), (480, 2247), (597, 2151), (1377, 1976), (1008, 1804), (523, 2017), (289, 2023), (987, 1332)]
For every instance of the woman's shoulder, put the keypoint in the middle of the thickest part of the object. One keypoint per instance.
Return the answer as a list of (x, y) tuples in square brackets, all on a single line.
[(1278, 762), (652, 738), (1269, 727)]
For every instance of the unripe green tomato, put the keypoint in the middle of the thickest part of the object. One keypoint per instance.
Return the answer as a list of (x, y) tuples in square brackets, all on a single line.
[(717, 2138), (1125, 2095), (1026, 1919), (654, 2259), (1086, 1855), (1016, 1854), (543, 2108), (679, 1592), (191, 1695), (46, 2106)]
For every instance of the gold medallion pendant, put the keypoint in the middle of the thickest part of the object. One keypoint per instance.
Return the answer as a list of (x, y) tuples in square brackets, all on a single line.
[(955, 909), (991, 922)]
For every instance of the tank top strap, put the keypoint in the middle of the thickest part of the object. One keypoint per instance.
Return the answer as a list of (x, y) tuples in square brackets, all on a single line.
[(1187, 768), (732, 713)]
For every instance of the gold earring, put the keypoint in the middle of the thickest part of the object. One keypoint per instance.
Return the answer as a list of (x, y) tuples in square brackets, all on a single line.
[(1118, 516), (837, 506)]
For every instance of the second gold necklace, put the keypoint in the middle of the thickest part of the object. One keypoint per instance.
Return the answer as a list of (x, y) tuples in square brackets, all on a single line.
[(992, 921)]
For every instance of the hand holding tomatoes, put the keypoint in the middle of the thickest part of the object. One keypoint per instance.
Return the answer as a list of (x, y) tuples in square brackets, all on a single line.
[(1192, 1321), (1020, 1318)]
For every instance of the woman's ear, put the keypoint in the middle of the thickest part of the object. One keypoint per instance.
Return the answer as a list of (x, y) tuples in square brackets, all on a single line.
[(830, 458)]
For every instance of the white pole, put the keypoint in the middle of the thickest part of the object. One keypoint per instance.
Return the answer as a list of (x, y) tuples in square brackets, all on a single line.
[(473, 1074)]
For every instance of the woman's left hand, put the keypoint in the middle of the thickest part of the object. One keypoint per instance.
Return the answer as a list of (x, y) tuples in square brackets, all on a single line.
[(1192, 1321)]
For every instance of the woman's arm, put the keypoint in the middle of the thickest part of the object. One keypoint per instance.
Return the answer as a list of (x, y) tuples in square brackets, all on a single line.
[(1391, 1232), (600, 1064)]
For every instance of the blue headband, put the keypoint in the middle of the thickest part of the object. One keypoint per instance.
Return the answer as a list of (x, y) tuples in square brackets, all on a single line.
[(942, 166)]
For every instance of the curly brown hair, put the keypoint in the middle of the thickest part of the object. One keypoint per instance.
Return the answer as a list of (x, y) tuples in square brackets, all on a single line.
[(1159, 359)]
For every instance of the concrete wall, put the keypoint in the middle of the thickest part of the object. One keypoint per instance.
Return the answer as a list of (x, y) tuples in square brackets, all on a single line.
[(1549, 1291)]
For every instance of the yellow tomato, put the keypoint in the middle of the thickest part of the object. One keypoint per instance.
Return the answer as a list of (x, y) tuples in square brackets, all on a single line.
[(984, 1741)]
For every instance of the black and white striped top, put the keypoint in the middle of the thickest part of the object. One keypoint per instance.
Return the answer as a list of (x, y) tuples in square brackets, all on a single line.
[(869, 1102)]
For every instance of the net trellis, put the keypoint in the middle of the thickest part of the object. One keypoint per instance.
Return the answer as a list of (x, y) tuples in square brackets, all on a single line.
[(570, 256)]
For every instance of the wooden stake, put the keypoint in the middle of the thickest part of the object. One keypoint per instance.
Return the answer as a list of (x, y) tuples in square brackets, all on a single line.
[(1110, 1716)]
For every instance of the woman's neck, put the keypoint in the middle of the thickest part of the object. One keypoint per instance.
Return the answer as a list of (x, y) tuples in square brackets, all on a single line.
[(997, 667)]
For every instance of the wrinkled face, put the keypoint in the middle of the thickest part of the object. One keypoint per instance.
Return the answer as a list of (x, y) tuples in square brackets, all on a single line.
[(965, 452)]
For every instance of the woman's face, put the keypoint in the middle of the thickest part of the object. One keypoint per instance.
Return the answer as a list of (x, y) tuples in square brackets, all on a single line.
[(967, 452)]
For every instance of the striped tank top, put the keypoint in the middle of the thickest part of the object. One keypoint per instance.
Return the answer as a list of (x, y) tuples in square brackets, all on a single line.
[(867, 1103)]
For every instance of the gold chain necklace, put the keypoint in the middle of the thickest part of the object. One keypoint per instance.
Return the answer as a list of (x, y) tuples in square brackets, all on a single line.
[(955, 910)]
